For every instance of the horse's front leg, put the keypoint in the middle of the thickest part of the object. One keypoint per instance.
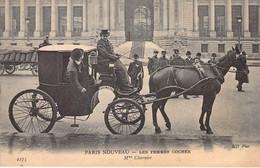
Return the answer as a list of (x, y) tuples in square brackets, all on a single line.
[(202, 127), (166, 119), (154, 110), (209, 103)]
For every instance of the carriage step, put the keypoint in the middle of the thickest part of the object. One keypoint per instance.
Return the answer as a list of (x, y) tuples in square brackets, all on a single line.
[(74, 125)]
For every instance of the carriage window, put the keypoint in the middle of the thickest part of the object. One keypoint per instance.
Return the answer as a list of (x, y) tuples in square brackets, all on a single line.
[(255, 48), (221, 48), (204, 48)]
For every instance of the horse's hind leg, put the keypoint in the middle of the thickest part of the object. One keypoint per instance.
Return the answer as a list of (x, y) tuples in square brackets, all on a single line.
[(155, 107), (166, 119), (211, 101)]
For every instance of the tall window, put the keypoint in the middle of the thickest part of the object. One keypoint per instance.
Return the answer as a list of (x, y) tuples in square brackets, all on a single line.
[(220, 21), (203, 21), (46, 20), (62, 18), (2, 20), (253, 20), (31, 15), (204, 48), (16, 21), (77, 20), (255, 48), (236, 27), (221, 48)]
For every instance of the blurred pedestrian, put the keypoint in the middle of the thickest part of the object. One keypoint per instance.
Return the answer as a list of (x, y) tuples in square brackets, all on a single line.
[(153, 62), (177, 59), (242, 71), (188, 60), (163, 61)]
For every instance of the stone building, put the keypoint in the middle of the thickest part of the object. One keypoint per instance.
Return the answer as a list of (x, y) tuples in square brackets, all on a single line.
[(205, 26)]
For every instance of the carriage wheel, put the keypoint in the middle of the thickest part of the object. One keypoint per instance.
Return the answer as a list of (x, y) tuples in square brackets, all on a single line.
[(9, 69), (27, 110), (34, 70), (124, 116), (2, 69)]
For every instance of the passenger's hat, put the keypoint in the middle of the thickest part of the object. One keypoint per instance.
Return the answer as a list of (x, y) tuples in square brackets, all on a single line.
[(198, 54), (136, 56), (104, 32), (155, 51), (213, 55), (188, 53), (176, 51), (76, 53)]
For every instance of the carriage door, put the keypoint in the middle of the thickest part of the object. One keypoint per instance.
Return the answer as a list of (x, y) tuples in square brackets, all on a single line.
[(139, 20)]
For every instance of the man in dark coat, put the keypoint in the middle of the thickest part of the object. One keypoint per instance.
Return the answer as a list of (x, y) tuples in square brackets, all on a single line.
[(45, 42), (153, 62), (136, 72), (177, 60), (242, 72), (188, 60), (213, 59), (163, 61), (107, 56)]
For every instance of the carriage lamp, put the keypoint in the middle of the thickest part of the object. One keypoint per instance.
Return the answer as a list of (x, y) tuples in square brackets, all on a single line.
[(239, 19), (93, 59)]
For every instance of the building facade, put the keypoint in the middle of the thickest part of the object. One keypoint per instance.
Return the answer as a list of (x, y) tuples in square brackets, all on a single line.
[(205, 26)]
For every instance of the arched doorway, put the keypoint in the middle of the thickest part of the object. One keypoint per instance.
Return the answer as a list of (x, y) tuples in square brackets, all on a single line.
[(139, 20)]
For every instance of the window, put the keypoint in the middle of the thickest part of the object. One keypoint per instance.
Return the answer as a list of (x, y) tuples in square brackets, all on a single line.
[(221, 48), (2, 20), (77, 21), (16, 21), (204, 48), (253, 20), (255, 48), (203, 21), (62, 17), (31, 15), (236, 27), (46, 20), (220, 21)]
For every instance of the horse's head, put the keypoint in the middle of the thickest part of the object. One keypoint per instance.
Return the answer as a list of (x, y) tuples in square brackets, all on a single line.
[(234, 57)]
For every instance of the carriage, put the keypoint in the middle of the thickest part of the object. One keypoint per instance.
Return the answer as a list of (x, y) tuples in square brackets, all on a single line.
[(37, 110), (18, 59)]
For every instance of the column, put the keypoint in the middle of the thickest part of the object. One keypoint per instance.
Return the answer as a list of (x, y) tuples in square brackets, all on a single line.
[(122, 15), (69, 19), (171, 15), (246, 19), (85, 19), (105, 15), (37, 32), (180, 13), (6, 33), (112, 14), (165, 15), (53, 19), (229, 18), (22, 19), (212, 31), (258, 20), (157, 21), (96, 7), (195, 18)]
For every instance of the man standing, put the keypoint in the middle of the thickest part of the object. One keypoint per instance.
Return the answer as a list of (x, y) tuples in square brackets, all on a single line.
[(188, 60), (177, 60), (107, 56), (242, 72), (163, 61), (136, 72), (153, 62), (213, 59), (45, 42)]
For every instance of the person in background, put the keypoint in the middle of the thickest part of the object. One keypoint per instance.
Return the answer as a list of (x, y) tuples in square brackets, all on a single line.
[(188, 60), (153, 62), (242, 72), (45, 42), (163, 61), (106, 56), (136, 72), (177, 59), (213, 59)]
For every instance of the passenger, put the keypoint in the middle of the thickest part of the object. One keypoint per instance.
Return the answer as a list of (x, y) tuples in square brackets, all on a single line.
[(242, 72), (188, 60), (74, 70), (163, 61), (153, 62), (177, 59), (107, 56), (136, 72), (45, 42), (198, 66), (213, 59)]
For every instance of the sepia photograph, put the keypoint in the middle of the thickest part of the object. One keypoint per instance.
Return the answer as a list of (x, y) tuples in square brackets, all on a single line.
[(130, 83)]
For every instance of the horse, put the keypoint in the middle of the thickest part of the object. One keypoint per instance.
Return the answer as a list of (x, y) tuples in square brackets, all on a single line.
[(187, 79)]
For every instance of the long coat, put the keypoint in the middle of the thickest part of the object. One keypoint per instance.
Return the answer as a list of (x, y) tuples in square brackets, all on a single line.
[(242, 70), (177, 61), (136, 72), (189, 61), (153, 64), (163, 61)]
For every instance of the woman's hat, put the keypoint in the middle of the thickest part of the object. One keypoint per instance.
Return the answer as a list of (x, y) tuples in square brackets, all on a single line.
[(104, 32), (188, 53), (136, 56), (213, 55)]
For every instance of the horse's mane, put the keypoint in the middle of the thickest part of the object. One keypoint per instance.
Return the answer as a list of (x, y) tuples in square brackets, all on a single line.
[(223, 58)]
